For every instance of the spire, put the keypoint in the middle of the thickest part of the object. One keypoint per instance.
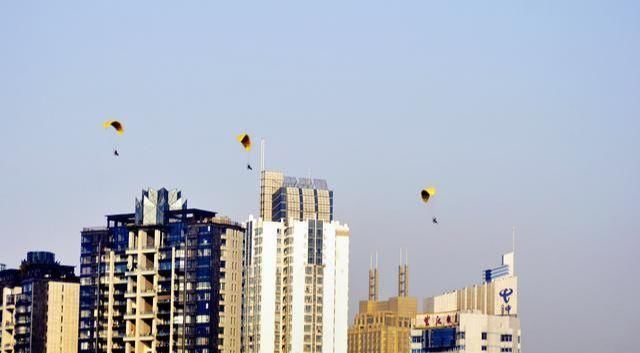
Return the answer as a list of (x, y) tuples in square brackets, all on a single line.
[(262, 148), (403, 275)]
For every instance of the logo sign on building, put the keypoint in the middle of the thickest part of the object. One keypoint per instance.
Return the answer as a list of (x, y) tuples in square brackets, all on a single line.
[(442, 320), (505, 294)]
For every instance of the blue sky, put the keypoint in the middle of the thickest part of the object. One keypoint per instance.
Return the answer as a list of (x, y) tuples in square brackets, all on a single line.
[(521, 113)]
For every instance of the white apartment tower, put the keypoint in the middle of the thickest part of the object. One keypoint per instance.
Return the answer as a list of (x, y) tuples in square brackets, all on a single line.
[(296, 274)]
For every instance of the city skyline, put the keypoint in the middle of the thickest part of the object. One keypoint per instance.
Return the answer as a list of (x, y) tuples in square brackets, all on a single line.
[(521, 114)]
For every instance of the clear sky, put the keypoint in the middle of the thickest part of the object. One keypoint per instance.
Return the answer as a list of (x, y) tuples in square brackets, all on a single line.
[(522, 113)]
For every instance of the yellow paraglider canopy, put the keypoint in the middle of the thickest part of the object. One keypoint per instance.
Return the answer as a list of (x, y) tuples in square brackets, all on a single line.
[(427, 193), (115, 124), (245, 140)]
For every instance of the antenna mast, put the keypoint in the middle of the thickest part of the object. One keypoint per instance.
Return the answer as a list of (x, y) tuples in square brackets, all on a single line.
[(262, 146)]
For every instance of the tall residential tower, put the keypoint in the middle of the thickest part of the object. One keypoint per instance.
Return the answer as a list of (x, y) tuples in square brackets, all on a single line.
[(166, 278), (296, 270)]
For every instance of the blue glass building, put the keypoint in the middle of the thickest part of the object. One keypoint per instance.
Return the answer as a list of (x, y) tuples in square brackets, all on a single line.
[(163, 279)]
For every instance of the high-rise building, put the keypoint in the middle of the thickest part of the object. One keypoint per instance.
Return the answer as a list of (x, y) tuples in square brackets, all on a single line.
[(166, 278), (296, 270), (39, 306), (384, 326), (479, 318)]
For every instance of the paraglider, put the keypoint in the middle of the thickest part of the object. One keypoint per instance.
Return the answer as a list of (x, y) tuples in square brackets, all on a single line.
[(118, 127), (115, 124), (427, 194), (245, 141)]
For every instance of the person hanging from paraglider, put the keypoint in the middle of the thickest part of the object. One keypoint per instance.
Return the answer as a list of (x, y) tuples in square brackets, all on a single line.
[(118, 127), (245, 141), (426, 195)]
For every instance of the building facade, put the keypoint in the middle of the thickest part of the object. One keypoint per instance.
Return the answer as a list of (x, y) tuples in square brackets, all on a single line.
[(163, 279), (296, 270), (479, 318), (384, 326), (39, 306), (296, 297), (284, 197)]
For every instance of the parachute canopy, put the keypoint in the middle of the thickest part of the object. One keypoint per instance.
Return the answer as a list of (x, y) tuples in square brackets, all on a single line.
[(245, 140), (427, 193), (115, 124)]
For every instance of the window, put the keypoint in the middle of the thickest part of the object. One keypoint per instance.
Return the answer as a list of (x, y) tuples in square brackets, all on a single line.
[(484, 335), (484, 348), (506, 338)]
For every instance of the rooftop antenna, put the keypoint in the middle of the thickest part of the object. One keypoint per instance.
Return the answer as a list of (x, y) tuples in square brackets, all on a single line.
[(406, 257), (376, 259), (262, 146), (373, 279)]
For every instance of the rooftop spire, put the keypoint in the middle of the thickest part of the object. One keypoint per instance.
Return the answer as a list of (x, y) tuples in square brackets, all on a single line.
[(403, 275), (373, 279)]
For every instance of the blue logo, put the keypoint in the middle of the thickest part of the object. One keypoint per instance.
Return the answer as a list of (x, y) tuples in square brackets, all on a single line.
[(505, 294)]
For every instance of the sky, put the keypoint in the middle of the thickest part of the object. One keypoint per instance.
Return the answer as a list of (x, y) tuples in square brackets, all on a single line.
[(520, 113)]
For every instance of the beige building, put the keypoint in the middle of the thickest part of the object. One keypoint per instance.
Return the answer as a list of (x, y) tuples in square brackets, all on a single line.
[(384, 326), (62, 317), (39, 307)]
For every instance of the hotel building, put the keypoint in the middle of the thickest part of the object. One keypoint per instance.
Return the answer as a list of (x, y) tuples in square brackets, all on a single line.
[(296, 270), (39, 306), (479, 318), (166, 278)]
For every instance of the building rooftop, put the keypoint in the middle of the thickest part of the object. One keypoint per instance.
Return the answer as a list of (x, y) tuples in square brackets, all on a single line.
[(305, 183), (187, 214)]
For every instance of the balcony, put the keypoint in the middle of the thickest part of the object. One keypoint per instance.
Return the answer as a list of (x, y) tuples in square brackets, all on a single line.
[(149, 249), (147, 314), (130, 315), (148, 336), (147, 292), (119, 280)]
